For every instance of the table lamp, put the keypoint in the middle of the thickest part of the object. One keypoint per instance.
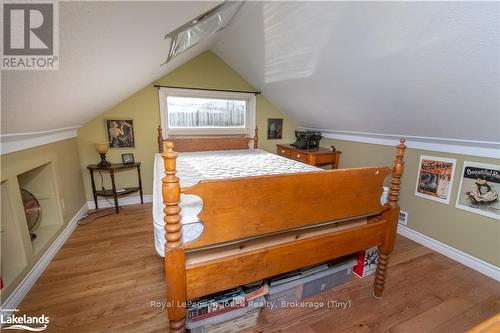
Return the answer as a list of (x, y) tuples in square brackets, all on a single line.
[(102, 149)]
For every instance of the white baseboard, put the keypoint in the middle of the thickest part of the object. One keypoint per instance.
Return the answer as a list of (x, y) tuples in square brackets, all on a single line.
[(14, 299), (124, 201), (446, 250)]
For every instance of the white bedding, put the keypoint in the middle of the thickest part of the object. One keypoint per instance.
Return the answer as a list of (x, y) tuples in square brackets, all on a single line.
[(193, 167)]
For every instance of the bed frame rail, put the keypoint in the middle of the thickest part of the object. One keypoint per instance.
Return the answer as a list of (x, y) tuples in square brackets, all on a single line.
[(269, 261)]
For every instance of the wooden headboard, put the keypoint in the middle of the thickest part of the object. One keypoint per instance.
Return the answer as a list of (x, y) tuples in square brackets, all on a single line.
[(189, 144)]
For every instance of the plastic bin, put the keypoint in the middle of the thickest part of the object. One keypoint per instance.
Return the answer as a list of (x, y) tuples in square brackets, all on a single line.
[(331, 278), (309, 285), (286, 292), (229, 322)]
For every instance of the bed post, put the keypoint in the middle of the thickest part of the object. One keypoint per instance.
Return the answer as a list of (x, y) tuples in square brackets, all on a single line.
[(160, 140), (392, 215), (175, 269), (256, 138)]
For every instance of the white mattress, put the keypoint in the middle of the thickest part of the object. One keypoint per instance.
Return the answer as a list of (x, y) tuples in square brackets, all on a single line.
[(193, 167)]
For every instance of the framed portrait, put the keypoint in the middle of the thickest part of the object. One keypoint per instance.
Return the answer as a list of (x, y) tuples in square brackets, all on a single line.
[(120, 133), (479, 188), (128, 158), (435, 178), (274, 128)]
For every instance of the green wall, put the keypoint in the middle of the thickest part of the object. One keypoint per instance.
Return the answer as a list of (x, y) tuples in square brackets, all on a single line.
[(67, 163), (60, 160), (205, 71), (471, 233)]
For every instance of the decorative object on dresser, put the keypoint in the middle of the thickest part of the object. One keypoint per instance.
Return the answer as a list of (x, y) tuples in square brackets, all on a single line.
[(307, 139), (120, 133), (102, 149), (128, 158), (274, 128), (114, 192), (312, 156)]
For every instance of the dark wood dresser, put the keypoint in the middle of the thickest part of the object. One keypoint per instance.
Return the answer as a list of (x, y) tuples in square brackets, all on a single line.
[(314, 156)]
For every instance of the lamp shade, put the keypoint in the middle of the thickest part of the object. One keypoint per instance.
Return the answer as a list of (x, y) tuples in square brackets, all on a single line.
[(101, 148)]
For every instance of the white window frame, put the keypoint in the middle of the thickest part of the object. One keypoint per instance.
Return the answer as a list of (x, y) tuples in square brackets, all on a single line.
[(248, 130)]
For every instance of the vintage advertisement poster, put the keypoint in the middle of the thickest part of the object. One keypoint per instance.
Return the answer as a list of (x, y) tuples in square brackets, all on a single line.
[(479, 187), (435, 178)]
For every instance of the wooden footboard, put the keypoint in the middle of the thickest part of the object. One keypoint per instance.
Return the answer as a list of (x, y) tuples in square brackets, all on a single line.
[(236, 210)]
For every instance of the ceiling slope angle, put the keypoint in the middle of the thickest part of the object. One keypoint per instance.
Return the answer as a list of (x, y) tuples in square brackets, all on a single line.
[(107, 51), (375, 71)]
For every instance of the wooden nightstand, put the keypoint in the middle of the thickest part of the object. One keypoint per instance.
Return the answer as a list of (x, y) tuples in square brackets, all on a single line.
[(113, 192), (313, 156)]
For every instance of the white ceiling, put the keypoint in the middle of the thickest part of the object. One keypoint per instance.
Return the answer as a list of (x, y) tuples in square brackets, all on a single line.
[(428, 69), (107, 52), (425, 69)]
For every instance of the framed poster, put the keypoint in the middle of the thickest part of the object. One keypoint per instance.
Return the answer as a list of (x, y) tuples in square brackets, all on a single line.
[(274, 128), (479, 187), (435, 178), (120, 133)]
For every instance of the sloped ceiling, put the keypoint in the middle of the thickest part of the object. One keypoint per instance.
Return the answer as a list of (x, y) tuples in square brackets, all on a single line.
[(424, 69), (107, 52)]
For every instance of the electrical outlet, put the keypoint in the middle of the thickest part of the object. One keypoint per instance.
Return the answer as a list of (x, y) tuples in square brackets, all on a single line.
[(403, 217)]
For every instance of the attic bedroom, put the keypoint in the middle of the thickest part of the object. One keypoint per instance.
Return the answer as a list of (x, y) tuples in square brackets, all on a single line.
[(244, 166)]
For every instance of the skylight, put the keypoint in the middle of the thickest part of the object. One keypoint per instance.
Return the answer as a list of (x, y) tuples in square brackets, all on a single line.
[(205, 25)]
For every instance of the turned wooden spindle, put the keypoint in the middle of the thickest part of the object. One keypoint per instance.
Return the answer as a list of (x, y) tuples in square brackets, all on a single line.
[(256, 138), (397, 172), (392, 216), (175, 270), (171, 197), (160, 140)]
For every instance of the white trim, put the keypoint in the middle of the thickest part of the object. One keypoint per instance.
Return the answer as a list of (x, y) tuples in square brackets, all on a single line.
[(455, 146), (472, 209), (20, 141), (124, 201), (446, 250), (15, 298), (249, 98), (450, 185)]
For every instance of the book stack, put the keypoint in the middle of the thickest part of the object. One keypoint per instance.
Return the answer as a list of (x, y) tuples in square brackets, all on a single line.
[(255, 290), (216, 304)]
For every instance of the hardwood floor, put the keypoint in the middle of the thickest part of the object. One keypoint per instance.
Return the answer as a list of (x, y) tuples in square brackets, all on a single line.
[(106, 276)]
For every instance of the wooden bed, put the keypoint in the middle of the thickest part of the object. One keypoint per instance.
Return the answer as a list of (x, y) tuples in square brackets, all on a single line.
[(258, 227)]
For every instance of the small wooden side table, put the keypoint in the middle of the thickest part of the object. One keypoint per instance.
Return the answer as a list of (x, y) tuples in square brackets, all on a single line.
[(313, 156), (112, 192)]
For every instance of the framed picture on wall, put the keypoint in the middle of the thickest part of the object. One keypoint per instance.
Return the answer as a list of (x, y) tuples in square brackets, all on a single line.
[(479, 188), (120, 133), (274, 128), (435, 178)]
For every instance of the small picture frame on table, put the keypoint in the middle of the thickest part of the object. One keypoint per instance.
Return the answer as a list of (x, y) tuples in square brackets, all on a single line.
[(128, 158)]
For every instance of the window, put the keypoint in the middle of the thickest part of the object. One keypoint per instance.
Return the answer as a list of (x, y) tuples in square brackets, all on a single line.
[(206, 112)]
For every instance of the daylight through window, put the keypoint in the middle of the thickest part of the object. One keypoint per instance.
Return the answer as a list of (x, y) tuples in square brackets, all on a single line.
[(206, 112), (188, 112)]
